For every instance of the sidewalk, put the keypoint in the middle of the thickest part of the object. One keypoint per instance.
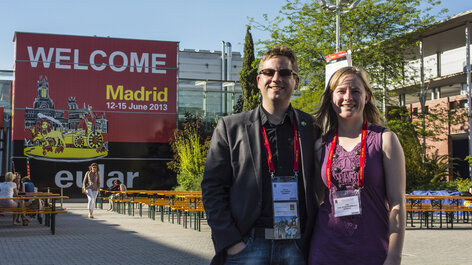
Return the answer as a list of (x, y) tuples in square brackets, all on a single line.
[(438, 246), (109, 238), (112, 238)]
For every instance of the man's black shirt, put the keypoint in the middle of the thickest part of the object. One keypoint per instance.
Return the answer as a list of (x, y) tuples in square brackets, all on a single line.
[(280, 138)]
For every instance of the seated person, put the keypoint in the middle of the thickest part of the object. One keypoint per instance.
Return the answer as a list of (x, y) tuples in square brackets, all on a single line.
[(17, 180), (28, 185), (8, 189), (117, 186)]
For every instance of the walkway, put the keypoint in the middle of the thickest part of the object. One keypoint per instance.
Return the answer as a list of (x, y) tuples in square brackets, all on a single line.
[(116, 239), (110, 238)]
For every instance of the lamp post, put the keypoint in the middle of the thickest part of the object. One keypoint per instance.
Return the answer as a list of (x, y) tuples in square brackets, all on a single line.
[(231, 85), (469, 90), (341, 6), (204, 84), (225, 72)]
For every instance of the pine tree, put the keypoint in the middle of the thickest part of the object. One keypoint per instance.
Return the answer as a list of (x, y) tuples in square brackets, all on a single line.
[(248, 74)]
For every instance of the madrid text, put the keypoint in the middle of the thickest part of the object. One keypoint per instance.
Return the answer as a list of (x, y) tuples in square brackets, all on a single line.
[(142, 99)]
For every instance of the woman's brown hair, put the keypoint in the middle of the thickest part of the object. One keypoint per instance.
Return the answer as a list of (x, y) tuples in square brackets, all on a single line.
[(93, 165), (325, 116)]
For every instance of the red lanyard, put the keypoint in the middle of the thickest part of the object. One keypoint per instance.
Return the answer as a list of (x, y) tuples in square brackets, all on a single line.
[(361, 160), (296, 148)]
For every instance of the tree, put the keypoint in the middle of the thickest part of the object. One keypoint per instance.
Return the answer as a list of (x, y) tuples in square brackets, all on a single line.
[(422, 172), (401, 124), (239, 105), (190, 146), (248, 74), (375, 32)]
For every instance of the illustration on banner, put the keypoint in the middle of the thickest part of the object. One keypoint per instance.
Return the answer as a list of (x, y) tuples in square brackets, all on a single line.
[(73, 134)]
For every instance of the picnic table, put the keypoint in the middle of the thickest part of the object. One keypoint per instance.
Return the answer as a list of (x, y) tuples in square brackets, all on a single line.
[(176, 204), (50, 210), (428, 205)]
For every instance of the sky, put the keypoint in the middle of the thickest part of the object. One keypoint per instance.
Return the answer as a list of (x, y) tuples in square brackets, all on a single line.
[(199, 24)]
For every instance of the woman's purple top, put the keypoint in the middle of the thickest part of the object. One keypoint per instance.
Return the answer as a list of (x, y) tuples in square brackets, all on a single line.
[(357, 239)]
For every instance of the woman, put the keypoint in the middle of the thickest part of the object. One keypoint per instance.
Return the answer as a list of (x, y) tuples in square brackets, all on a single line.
[(117, 186), (17, 181), (8, 189), (90, 186), (362, 218)]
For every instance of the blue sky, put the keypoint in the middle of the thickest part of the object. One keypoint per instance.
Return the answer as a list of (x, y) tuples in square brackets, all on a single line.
[(195, 24)]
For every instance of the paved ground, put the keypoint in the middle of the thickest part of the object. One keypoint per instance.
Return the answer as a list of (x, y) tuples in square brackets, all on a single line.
[(115, 239), (109, 238)]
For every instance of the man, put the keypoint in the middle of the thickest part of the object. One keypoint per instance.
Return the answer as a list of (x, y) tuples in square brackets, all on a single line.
[(258, 184)]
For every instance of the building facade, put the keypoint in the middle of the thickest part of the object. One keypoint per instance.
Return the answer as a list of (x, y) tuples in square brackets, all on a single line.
[(207, 84), (438, 75)]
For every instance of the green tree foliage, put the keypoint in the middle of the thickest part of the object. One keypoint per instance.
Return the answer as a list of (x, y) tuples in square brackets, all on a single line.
[(375, 32), (454, 185), (308, 101), (400, 123), (190, 146), (432, 171), (248, 74), (468, 159), (239, 105), (438, 166)]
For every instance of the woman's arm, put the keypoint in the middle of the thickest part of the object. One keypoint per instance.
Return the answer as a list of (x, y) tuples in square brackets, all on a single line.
[(395, 181), (98, 181), (85, 179)]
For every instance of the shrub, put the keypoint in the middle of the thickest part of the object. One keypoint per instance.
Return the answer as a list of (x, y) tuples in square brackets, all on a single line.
[(190, 146)]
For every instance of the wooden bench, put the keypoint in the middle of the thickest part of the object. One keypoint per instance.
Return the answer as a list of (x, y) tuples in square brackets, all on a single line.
[(48, 211), (153, 204), (99, 201), (187, 209), (427, 211), (185, 206)]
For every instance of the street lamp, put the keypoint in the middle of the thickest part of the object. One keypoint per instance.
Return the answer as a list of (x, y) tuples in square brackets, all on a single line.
[(341, 6), (204, 84), (469, 90), (231, 85)]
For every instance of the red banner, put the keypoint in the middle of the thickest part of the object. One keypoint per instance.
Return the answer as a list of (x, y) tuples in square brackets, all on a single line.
[(73, 95), (124, 88)]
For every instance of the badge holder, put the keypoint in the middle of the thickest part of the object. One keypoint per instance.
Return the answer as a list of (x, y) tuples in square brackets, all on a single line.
[(285, 205), (347, 202)]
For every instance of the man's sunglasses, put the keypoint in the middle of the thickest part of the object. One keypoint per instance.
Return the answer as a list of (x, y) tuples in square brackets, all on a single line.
[(282, 72)]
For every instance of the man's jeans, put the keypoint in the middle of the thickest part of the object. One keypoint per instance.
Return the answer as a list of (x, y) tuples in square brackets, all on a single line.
[(265, 251)]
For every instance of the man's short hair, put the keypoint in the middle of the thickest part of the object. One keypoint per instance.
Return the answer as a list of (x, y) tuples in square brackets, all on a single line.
[(280, 50)]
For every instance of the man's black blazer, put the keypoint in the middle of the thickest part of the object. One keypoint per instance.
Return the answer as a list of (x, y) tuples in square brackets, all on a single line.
[(232, 184)]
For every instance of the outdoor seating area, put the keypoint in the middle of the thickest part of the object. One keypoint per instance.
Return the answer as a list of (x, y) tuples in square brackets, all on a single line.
[(434, 210), (177, 207), (49, 208)]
